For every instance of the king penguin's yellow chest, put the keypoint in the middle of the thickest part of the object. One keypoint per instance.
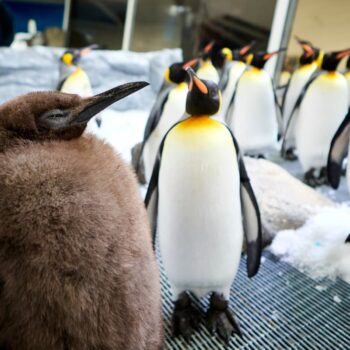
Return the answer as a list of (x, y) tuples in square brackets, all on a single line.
[(199, 133)]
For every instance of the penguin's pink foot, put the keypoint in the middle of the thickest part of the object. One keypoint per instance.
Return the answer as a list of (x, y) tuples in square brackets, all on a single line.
[(220, 319), (185, 317), (290, 155)]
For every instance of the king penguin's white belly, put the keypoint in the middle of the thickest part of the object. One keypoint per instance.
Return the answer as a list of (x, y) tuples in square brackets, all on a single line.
[(208, 72), (322, 110), (77, 83), (173, 110), (254, 119), (298, 80), (199, 214), (235, 73)]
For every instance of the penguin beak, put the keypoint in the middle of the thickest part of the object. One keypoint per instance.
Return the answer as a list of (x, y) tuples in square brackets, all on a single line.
[(245, 49), (101, 101), (306, 46), (208, 47), (86, 50), (195, 81), (190, 64), (342, 54), (267, 56)]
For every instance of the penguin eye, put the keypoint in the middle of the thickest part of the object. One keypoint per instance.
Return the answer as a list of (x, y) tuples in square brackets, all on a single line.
[(54, 119)]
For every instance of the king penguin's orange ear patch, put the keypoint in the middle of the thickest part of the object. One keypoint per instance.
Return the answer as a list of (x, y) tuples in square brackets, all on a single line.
[(200, 85)]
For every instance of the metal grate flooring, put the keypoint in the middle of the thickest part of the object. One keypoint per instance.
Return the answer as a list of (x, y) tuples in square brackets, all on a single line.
[(279, 309)]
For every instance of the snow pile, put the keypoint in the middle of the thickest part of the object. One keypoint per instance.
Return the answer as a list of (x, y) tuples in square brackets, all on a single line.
[(318, 248), (120, 129)]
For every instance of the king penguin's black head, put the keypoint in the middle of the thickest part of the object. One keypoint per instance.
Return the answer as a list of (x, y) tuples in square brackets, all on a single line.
[(71, 57), (176, 73), (331, 59), (309, 52), (260, 58), (203, 97), (241, 53)]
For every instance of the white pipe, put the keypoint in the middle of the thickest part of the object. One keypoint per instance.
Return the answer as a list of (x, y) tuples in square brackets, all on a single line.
[(276, 34), (129, 24)]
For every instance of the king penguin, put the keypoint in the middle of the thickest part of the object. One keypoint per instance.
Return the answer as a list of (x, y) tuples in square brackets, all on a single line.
[(168, 109), (307, 67), (254, 113), (206, 68), (201, 203), (322, 106), (72, 78), (235, 65)]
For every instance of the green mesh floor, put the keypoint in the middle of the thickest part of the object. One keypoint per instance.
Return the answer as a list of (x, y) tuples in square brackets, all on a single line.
[(279, 309)]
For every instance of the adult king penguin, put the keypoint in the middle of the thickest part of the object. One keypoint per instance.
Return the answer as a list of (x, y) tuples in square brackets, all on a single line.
[(254, 113), (322, 106), (308, 66), (72, 78), (168, 109), (235, 65), (201, 203)]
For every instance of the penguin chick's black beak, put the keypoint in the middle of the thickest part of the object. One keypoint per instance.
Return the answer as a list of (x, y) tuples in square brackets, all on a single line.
[(101, 101), (81, 113)]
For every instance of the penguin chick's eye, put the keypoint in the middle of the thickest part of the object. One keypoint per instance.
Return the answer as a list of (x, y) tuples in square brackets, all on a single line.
[(54, 119)]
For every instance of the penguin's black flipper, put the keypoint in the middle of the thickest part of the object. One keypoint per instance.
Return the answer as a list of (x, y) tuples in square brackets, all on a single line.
[(231, 103), (251, 217), (279, 110), (338, 151), (348, 239), (296, 107), (151, 199)]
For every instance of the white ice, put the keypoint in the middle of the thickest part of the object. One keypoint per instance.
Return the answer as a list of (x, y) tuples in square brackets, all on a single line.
[(318, 248), (120, 129)]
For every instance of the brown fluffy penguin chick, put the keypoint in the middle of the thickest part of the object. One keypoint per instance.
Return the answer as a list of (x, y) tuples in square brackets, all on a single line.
[(77, 269)]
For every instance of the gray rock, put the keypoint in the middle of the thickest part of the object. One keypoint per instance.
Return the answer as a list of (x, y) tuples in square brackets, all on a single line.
[(284, 201)]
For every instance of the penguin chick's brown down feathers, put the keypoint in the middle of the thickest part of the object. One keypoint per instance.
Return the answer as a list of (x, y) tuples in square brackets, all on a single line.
[(77, 269)]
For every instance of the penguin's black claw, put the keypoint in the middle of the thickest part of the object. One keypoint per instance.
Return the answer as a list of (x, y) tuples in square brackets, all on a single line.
[(290, 155), (220, 319), (185, 317), (310, 179), (323, 179)]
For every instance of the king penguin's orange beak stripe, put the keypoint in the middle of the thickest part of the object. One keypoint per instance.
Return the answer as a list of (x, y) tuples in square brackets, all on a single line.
[(309, 50), (200, 85), (208, 47), (343, 54), (245, 49), (190, 63)]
